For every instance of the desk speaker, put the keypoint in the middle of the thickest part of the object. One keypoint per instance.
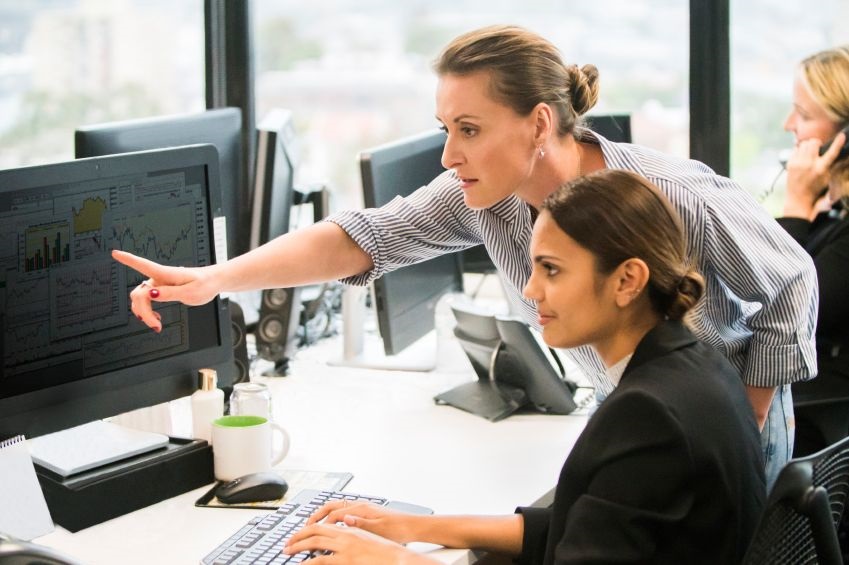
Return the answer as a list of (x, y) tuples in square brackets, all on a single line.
[(241, 365), (279, 316)]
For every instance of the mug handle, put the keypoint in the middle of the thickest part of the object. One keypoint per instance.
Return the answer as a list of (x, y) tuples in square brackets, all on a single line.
[(277, 456)]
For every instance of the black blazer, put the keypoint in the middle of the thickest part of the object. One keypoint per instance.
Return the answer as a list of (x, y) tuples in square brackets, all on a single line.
[(827, 241), (668, 470)]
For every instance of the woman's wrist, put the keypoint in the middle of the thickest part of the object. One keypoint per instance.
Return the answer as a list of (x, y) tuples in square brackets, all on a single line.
[(415, 528), (214, 279), (796, 210), (799, 202)]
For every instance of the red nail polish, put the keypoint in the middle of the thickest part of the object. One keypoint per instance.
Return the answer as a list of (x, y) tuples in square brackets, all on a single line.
[(140, 318), (154, 293)]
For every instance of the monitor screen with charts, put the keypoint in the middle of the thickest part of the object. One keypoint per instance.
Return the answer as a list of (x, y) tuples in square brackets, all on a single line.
[(72, 350)]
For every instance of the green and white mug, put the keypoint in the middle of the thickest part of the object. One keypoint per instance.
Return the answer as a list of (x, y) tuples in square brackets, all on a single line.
[(245, 444)]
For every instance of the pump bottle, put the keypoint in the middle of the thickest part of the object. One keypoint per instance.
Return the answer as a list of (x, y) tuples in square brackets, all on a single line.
[(207, 404)]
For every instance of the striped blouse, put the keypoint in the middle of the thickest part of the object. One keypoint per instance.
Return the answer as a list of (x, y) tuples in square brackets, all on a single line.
[(761, 297)]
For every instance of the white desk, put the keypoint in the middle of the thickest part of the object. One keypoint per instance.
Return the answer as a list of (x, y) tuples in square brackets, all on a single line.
[(383, 427)]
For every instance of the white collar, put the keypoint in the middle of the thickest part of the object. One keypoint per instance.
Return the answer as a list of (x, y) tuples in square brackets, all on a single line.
[(614, 373)]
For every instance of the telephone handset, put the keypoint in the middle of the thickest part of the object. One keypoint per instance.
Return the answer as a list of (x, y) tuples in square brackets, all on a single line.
[(785, 155), (844, 151)]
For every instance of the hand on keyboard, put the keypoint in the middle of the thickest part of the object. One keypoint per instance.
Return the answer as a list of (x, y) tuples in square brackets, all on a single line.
[(260, 540), (377, 519), (351, 546)]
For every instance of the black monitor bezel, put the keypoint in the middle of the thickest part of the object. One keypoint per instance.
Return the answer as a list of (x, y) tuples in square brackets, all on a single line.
[(62, 406), (613, 127)]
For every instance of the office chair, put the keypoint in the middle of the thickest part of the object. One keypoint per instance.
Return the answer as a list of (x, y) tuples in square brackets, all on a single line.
[(804, 510), (821, 408), (18, 552)]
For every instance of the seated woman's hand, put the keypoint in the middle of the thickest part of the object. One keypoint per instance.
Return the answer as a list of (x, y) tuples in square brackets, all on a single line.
[(350, 546), (191, 286), (390, 524), (808, 172)]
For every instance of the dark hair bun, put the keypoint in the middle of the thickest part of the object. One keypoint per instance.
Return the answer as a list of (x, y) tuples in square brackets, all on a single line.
[(690, 289), (584, 88)]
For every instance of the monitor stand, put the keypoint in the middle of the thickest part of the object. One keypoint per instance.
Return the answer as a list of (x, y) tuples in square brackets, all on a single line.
[(366, 351)]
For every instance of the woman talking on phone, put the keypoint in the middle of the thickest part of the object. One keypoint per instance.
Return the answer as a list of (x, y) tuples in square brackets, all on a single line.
[(668, 469), (511, 109), (815, 214)]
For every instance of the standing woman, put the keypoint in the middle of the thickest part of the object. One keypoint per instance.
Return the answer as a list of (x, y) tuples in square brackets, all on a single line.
[(668, 469), (511, 110), (815, 214)]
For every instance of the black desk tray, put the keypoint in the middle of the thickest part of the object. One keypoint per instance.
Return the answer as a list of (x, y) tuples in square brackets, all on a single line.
[(97, 495)]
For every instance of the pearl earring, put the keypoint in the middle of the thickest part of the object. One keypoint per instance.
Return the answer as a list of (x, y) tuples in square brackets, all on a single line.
[(541, 152)]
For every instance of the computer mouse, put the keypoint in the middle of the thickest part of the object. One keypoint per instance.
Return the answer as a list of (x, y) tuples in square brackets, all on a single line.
[(256, 487)]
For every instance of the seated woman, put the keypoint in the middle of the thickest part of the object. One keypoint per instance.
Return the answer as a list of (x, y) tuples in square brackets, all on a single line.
[(669, 469), (815, 214)]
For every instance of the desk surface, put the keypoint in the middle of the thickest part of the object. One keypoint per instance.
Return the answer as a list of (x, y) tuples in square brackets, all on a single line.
[(383, 427)]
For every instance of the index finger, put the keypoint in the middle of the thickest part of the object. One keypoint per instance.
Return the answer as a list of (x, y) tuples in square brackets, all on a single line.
[(145, 266), (835, 147), (324, 510), (312, 538)]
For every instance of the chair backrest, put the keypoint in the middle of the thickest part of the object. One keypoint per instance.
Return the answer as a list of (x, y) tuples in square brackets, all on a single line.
[(18, 552), (799, 523)]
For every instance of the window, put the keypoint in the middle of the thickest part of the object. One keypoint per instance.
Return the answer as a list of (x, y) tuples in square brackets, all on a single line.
[(66, 63), (358, 74), (768, 39)]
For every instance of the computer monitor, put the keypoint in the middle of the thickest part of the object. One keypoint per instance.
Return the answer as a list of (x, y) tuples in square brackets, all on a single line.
[(277, 156), (613, 127), (405, 299), (276, 313), (72, 350), (222, 127)]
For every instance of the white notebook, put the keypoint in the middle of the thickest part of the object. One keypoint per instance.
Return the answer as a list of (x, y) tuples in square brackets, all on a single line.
[(23, 510), (91, 445)]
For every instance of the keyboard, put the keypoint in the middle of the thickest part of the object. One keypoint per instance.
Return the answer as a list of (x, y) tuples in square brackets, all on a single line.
[(262, 538)]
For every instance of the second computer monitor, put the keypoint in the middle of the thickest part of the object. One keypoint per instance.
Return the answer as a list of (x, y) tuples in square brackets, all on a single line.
[(614, 127), (222, 127), (276, 159), (405, 299)]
